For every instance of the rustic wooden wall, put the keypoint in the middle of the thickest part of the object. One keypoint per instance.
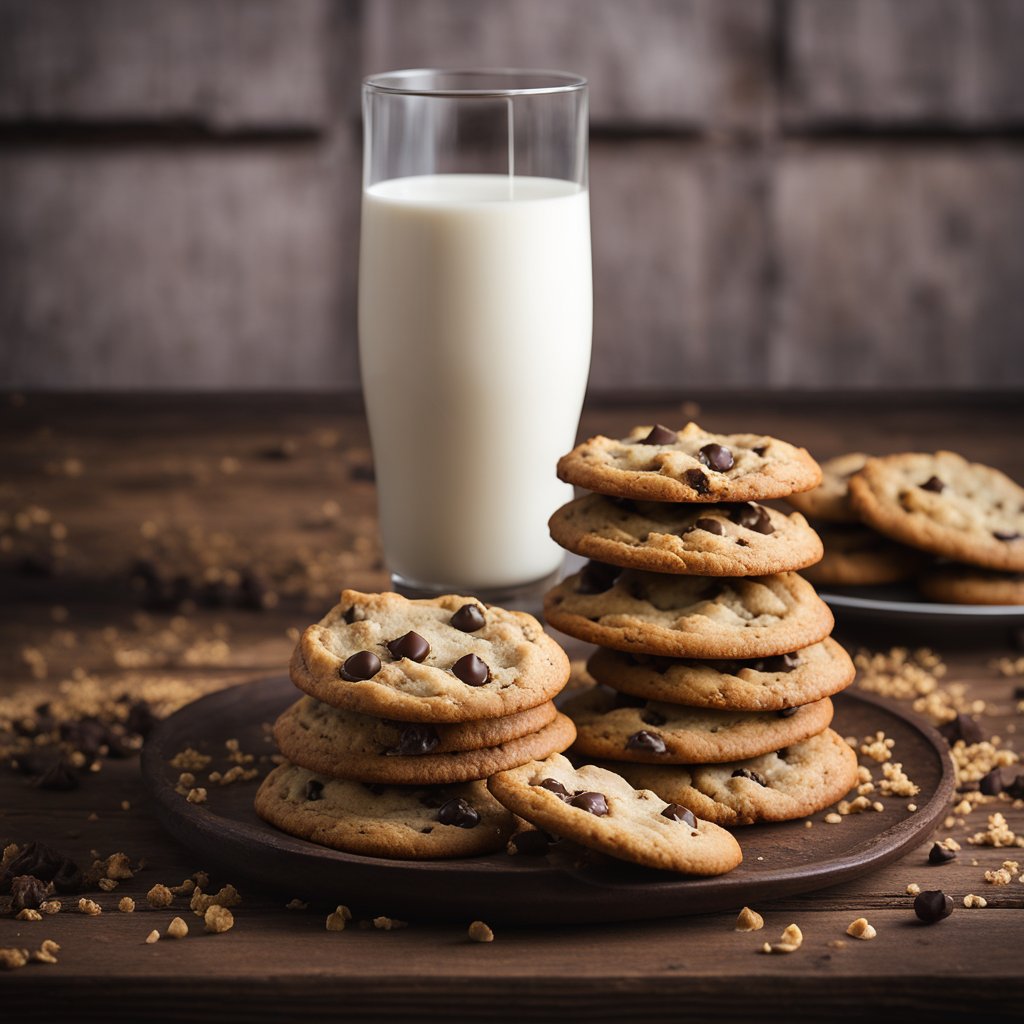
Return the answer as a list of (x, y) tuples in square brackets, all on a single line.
[(811, 193)]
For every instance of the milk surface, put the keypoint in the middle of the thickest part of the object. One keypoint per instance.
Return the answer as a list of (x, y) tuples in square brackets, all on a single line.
[(475, 316)]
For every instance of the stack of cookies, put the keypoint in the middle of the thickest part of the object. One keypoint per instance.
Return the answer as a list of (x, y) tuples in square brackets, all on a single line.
[(715, 662), (886, 519), (408, 706)]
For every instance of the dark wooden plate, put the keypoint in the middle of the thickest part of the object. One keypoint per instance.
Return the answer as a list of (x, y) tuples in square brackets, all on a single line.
[(568, 885)]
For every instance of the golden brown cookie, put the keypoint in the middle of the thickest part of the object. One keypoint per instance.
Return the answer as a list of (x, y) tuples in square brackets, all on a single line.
[(830, 500), (965, 584), (859, 556)]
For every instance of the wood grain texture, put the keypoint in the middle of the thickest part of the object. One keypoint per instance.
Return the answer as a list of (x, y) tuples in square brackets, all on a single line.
[(141, 459), (951, 63), (225, 64)]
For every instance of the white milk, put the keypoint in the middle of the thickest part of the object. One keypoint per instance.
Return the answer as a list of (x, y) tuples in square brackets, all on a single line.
[(475, 314)]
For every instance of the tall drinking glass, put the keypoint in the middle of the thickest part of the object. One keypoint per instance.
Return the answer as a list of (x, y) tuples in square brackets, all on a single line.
[(475, 315)]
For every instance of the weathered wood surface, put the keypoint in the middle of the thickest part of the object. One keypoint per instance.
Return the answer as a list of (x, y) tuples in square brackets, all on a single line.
[(162, 460)]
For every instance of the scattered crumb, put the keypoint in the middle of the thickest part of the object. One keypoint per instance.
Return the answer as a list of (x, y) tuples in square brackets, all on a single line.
[(89, 907), (159, 897), (93, 816), (896, 782), (126, 805), (153, 936), (837, 943), (186, 888), (855, 806), (1003, 875), (911, 808), (218, 919), (833, 818), (296, 904), (336, 921), (971, 901), (877, 747), (46, 953), (227, 897), (913, 889), (388, 924), (190, 760), (997, 834), (808, 824), (28, 914), (861, 929), (196, 796), (11, 958), (107, 884), (789, 942), (177, 929), (480, 932), (126, 905), (50, 906), (749, 921)]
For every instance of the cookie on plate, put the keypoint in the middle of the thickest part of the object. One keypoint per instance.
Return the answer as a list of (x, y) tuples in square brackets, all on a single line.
[(965, 584), (830, 500), (859, 556), (744, 539), (944, 504), (600, 810), (442, 659), (613, 726), (758, 684), (802, 779), (384, 821), (345, 744), (659, 464), (688, 616)]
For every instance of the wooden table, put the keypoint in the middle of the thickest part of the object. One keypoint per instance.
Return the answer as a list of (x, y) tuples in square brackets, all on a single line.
[(285, 483)]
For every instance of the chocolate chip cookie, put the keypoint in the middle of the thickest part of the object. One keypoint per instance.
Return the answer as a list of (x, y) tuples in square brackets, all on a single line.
[(859, 556), (660, 464), (600, 810), (964, 584), (830, 500), (444, 659), (688, 616), (352, 746), (803, 778), (744, 539), (760, 684), (616, 727), (384, 821), (944, 504)]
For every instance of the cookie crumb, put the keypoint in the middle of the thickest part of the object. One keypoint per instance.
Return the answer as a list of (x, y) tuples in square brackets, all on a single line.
[(480, 932), (126, 905), (153, 936), (218, 919), (12, 958), (861, 929), (336, 921), (159, 897), (46, 953), (808, 824), (832, 818), (227, 897), (296, 904), (388, 924), (896, 782), (28, 914), (177, 929), (118, 867), (911, 808), (107, 884), (89, 907), (196, 796), (789, 942), (971, 901), (749, 921), (837, 943), (190, 760), (50, 906), (913, 889), (997, 834)]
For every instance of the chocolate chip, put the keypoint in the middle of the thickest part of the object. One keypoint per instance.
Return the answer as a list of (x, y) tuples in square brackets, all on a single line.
[(459, 813), (46, 864), (592, 803), (28, 891), (963, 727), (314, 790), (354, 614), (746, 773), (597, 577), (141, 720), (697, 480), (676, 812), (652, 717), (532, 842), (411, 646), (940, 854), (471, 670), (362, 665), (788, 712), (932, 906), (554, 786), (1005, 535), (1015, 789), (716, 457), (992, 783), (469, 618), (710, 526), (760, 450), (753, 517), (650, 742), (660, 435), (933, 483), (414, 738), (61, 776)]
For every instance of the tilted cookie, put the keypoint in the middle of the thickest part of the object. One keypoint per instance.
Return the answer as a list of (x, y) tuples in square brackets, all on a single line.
[(343, 744), (658, 464), (600, 810), (757, 684), (382, 821), (803, 778), (744, 539), (859, 556), (944, 504), (688, 616), (616, 727), (444, 659), (964, 584), (830, 500)]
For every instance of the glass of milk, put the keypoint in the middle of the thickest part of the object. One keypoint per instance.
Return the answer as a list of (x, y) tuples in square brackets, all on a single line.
[(475, 315)]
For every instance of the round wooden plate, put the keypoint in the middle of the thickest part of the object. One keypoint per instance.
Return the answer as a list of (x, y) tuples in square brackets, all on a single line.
[(569, 885)]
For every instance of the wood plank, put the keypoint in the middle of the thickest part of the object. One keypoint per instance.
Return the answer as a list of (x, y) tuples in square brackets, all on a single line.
[(224, 64)]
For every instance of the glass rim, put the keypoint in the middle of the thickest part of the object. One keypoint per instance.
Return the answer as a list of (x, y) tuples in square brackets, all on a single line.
[(400, 83)]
